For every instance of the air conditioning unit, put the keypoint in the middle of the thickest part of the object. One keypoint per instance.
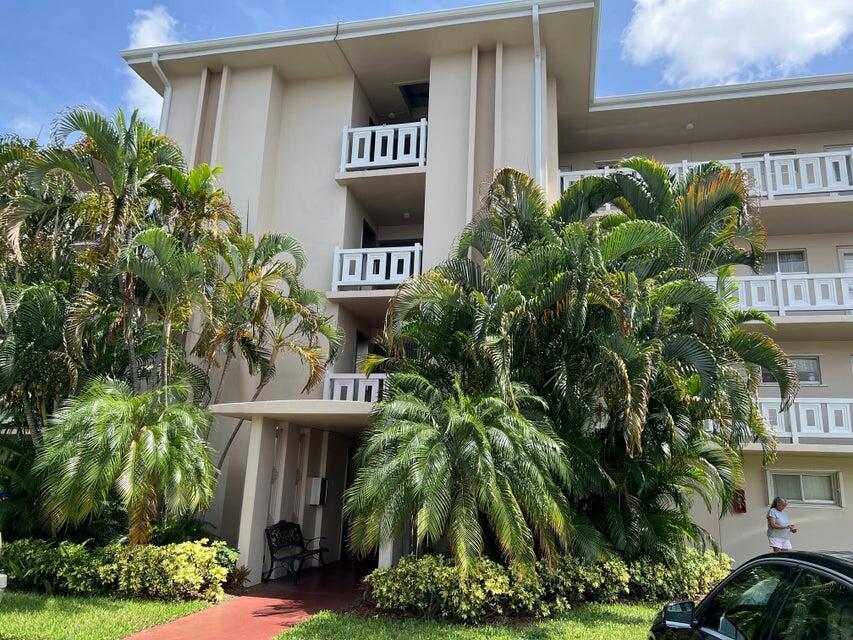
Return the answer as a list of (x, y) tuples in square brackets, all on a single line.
[(316, 491)]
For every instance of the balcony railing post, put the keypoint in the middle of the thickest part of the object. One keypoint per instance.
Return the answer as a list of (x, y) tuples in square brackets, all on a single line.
[(768, 176), (336, 268), (327, 387), (780, 299), (344, 149), (793, 422), (416, 260), (849, 168), (422, 141)]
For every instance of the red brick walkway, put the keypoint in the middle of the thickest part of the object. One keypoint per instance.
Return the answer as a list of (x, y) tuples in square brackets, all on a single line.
[(266, 610)]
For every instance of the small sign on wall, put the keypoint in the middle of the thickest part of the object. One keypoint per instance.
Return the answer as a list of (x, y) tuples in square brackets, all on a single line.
[(739, 501), (316, 491)]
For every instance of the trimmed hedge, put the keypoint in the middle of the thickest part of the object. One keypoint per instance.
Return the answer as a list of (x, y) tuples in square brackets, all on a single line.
[(431, 587), (183, 571)]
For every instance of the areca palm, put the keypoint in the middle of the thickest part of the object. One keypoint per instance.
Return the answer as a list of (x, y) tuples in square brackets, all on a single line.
[(605, 318), (200, 209), (453, 461), (118, 158), (36, 372), (175, 279), (260, 309), (149, 448)]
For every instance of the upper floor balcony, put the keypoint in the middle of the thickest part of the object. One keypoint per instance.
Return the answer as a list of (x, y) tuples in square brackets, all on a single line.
[(375, 268), (364, 280), (770, 176), (815, 420), (383, 147), (795, 293), (359, 387)]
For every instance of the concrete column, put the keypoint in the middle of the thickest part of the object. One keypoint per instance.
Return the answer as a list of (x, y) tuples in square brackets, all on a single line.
[(391, 552), (254, 514)]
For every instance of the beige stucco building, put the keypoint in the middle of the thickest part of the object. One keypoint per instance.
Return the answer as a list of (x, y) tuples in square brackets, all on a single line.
[(370, 142)]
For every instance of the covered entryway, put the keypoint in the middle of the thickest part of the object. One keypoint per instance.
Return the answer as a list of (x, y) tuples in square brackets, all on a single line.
[(296, 470)]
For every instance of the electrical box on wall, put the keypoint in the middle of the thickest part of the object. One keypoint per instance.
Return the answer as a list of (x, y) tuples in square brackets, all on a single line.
[(316, 491)]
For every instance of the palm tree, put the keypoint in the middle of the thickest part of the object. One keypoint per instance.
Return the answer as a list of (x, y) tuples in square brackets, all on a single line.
[(149, 448), (453, 461), (118, 158), (175, 279), (605, 319), (260, 309), (36, 372), (198, 208)]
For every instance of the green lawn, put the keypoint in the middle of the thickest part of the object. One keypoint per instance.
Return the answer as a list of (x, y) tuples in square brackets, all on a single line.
[(591, 622), (33, 616)]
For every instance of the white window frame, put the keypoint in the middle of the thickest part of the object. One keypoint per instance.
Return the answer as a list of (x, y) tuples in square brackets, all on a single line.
[(791, 356), (778, 251), (837, 486)]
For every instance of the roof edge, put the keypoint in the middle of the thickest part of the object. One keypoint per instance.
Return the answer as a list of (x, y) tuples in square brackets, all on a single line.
[(725, 92), (355, 29)]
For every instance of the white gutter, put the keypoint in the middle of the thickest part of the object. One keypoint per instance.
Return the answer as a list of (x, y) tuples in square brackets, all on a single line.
[(167, 92), (537, 98)]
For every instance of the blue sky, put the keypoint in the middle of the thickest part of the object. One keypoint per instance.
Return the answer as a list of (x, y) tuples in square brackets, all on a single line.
[(56, 53)]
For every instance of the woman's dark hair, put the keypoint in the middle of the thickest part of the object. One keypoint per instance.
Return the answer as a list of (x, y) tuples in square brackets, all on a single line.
[(776, 501)]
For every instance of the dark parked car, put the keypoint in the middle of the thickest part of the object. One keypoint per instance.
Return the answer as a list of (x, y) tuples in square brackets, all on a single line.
[(782, 596)]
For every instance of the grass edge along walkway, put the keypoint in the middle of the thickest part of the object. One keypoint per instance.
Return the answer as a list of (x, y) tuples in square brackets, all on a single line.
[(587, 622), (37, 616)]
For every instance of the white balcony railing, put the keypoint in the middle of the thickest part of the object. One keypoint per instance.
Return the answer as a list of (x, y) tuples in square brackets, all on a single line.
[(785, 293), (354, 386), (375, 267), (387, 145), (810, 418), (769, 176)]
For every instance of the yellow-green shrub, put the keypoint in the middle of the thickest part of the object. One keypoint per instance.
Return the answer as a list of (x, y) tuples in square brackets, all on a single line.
[(432, 587), (688, 575), (184, 571)]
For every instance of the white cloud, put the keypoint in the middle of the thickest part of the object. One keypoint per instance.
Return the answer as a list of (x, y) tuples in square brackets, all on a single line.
[(705, 42), (26, 127), (150, 28)]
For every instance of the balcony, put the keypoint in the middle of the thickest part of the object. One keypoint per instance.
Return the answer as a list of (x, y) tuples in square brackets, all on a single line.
[(354, 386), (769, 176), (364, 280), (787, 293), (385, 146), (810, 420), (375, 268)]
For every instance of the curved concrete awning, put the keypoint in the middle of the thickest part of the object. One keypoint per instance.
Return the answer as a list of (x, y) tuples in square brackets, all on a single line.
[(340, 416)]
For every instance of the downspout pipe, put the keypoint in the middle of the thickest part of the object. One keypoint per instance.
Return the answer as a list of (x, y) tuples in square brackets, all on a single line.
[(167, 92), (537, 97)]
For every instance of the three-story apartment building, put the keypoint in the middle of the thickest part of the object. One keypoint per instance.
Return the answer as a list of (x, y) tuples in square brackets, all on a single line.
[(370, 142)]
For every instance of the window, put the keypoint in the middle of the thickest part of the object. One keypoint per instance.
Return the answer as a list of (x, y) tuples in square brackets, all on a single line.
[(818, 608), (812, 487), (741, 608), (808, 369), (790, 261)]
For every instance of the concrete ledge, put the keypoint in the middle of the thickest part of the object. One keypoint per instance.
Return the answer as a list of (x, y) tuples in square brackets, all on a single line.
[(340, 416)]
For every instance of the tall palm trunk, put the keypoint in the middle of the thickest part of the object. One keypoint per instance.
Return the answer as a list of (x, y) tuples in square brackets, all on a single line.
[(142, 515)]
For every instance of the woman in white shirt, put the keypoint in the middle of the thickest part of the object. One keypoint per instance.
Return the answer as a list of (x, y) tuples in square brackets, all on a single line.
[(779, 527)]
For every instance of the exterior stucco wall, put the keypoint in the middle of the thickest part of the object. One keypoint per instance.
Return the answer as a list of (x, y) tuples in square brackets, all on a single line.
[(715, 150), (744, 536), (182, 111), (517, 110), (446, 193)]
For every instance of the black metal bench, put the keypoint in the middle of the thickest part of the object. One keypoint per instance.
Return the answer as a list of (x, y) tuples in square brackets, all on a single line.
[(289, 548)]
